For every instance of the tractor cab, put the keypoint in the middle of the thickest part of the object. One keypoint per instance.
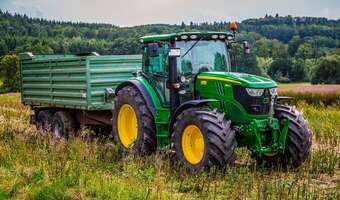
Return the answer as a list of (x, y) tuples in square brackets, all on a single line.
[(196, 52)]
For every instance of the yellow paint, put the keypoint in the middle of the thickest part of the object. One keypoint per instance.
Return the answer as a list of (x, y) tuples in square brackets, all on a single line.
[(203, 82), (218, 79), (193, 144), (127, 125)]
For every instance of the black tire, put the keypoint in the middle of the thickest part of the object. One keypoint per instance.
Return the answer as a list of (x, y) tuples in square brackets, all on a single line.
[(219, 137), (298, 142), (44, 122), (146, 141), (63, 125)]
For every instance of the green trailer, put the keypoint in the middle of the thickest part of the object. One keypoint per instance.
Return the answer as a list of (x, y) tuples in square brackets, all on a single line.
[(72, 81), (180, 93)]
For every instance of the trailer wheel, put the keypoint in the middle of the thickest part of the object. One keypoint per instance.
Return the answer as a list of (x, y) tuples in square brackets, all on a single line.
[(44, 122), (298, 142), (63, 125), (133, 124), (203, 137)]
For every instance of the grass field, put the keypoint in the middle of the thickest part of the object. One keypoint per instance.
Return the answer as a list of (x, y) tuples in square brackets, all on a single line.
[(88, 167)]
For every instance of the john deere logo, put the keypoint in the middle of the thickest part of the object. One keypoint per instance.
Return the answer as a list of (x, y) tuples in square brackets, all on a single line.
[(265, 100)]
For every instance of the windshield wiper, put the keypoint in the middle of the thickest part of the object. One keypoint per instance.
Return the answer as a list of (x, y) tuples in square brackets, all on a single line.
[(191, 47)]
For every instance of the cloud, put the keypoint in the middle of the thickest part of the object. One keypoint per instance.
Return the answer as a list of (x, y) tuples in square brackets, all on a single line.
[(30, 8), (135, 12)]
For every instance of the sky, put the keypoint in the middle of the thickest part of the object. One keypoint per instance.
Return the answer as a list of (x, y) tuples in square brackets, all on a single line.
[(138, 12)]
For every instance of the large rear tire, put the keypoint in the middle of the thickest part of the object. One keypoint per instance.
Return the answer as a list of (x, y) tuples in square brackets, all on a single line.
[(298, 142), (203, 137), (133, 124)]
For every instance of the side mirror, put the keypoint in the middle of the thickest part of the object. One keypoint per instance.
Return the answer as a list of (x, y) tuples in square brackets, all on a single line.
[(246, 47), (174, 52), (153, 49)]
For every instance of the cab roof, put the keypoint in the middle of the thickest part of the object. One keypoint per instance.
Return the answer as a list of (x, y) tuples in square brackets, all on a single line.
[(166, 37)]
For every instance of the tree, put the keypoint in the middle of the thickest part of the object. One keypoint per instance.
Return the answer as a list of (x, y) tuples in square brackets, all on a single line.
[(327, 71), (262, 48), (245, 63), (298, 71), (280, 69), (293, 45), (305, 51), (279, 50), (9, 73), (3, 48)]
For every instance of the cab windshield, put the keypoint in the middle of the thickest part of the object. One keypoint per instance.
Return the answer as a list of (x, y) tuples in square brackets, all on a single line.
[(200, 56)]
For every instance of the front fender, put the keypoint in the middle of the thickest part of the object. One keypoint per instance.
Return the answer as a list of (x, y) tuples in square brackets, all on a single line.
[(142, 89), (186, 105)]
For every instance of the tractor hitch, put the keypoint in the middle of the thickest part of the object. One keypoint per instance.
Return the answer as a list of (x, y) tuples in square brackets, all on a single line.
[(265, 137)]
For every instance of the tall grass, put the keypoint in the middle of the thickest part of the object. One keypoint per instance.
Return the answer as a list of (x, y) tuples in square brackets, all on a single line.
[(323, 99), (32, 167)]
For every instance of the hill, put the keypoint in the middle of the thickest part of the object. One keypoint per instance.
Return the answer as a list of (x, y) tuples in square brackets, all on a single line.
[(287, 49)]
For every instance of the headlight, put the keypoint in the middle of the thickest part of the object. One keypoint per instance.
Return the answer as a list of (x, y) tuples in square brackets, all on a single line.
[(273, 91), (255, 92), (183, 79)]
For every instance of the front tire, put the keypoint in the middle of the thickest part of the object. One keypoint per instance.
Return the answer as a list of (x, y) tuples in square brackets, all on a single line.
[(133, 124), (298, 142), (203, 137)]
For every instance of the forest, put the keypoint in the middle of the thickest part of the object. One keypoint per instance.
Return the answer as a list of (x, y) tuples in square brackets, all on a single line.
[(284, 48)]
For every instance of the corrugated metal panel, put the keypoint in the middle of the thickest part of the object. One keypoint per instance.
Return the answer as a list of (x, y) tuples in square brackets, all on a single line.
[(109, 71), (72, 81)]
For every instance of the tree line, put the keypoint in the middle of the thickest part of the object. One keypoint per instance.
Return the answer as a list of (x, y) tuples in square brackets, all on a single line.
[(285, 48)]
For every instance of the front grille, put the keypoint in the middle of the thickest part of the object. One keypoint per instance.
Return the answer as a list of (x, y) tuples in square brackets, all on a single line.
[(253, 105)]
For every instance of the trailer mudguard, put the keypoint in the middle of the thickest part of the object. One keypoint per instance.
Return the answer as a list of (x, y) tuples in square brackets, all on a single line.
[(142, 89)]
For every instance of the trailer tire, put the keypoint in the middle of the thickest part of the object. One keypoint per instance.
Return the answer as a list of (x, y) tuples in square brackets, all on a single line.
[(44, 122), (63, 125), (200, 126), (133, 124), (298, 142)]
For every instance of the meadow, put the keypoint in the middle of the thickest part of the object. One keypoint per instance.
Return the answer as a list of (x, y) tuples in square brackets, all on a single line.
[(91, 167)]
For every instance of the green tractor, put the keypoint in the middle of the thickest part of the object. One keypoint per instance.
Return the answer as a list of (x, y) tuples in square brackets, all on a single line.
[(187, 97), (183, 95)]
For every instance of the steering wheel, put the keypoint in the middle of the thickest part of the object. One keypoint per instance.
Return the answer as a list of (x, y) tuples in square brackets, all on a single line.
[(205, 67)]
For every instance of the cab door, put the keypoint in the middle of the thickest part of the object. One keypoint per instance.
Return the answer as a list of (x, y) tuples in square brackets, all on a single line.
[(155, 69)]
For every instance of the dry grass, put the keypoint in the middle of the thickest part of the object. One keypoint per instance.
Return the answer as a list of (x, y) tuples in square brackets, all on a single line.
[(32, 167), (320, 89), (312, 94)]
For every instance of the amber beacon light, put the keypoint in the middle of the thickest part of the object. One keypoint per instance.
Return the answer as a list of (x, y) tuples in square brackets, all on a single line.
[(233, 26)]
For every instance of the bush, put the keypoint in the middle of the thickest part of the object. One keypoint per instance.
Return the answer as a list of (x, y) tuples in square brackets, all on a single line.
[(327, 71), (9, 73)]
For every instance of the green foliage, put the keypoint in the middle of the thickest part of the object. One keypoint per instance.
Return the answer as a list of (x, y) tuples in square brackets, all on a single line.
[(328, 70), (304, 51), (280, 69), (298, 71), (293, 45), (272, 38), (9, 73)]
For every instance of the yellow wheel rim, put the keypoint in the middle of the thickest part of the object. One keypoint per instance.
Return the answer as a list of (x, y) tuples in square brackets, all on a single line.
[(127, 125), (193, 144)]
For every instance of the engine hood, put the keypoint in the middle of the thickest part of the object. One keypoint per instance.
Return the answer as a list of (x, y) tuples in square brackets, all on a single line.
[(246, 80)]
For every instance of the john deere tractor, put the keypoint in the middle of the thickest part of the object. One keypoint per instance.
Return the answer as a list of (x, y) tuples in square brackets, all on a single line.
[(186, 96), (183, 95)]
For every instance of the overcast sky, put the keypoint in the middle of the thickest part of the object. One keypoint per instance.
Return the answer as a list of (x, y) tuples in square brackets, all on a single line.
[(137, 12)]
